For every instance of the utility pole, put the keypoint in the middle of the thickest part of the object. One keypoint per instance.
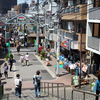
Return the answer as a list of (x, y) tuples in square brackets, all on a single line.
[(58, 38), (45, 29), (37, 38), (80, 57)]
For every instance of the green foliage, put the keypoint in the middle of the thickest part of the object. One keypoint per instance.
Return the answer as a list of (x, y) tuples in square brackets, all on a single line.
[(43, 54), (7, 56)]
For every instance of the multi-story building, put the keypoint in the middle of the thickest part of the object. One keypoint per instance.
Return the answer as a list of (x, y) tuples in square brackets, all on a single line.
[(6, 5), (32, 3), (17, 8), (73, 25), (93, 33), (21, 8)]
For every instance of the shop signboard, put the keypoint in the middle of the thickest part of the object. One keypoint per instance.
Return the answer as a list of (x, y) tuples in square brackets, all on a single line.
[(84, 68), (68, 44), (75, 80), (74, 45), (21, 19)]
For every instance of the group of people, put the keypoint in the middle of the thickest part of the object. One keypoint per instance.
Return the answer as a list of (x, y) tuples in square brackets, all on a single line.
[(36, 81), (26, 58)]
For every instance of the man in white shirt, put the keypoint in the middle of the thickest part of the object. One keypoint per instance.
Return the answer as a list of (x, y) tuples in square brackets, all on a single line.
[(18, 85), (27, 59)]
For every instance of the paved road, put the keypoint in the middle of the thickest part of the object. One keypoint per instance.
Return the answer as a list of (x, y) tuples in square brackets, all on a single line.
[(27, 72)]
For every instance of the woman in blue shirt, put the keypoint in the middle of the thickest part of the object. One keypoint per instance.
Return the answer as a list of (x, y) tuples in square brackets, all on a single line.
[(97, 87)]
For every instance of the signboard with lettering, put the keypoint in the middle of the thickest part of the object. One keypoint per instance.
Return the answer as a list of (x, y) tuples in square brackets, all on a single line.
[(84, 68), (75, 80), (21, 19)]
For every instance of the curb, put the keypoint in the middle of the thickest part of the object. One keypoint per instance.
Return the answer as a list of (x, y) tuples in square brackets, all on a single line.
[(50, 71)]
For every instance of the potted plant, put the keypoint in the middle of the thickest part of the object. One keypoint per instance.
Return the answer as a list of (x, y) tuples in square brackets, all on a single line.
[(7, 56), (41, 57), (55, 55)]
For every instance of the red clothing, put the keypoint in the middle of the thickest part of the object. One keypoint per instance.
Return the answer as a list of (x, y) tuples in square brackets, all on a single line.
[(40, 48)]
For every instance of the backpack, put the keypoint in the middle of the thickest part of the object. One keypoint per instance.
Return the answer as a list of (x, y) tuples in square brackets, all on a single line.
[(20, 84), (38, 81)]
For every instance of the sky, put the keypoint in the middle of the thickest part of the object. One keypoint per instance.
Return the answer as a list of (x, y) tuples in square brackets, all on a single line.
[(22, 1)]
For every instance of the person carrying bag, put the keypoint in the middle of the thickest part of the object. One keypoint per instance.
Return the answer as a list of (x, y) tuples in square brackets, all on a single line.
[(37, 83), (18, 85)]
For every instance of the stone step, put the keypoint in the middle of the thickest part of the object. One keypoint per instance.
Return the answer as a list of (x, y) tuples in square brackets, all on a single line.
[(27, 96)]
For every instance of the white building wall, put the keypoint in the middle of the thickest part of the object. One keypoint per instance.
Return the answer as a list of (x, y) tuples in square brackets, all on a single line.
[(89, 30)]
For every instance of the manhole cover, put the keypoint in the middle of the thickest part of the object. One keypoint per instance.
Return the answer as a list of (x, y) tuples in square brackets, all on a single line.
[(34, 59), (44, 71), (8, 89)]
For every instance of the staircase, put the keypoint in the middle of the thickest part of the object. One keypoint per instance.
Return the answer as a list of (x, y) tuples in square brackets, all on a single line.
[(27, 95), (53, 91)]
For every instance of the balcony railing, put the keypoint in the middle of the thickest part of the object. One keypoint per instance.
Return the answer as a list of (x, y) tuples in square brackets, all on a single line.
[(93, 43), (94, 13), (71, 10)]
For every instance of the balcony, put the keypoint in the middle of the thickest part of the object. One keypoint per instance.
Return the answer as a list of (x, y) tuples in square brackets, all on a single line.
[(93, 43), (94, 13), (78, 12)]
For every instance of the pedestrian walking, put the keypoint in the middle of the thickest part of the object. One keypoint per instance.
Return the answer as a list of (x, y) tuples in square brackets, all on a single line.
[(11, 63), (18, 49), (37, 82), (5, 70), (48, 55), (18, 86), (27, 59), (26, 44), (22, 59), (97, 87)]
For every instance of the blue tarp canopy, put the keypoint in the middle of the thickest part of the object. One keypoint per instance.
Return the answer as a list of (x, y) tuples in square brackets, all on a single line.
[(60, 66)]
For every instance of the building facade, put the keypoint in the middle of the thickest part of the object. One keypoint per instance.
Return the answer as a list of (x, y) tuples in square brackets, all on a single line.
[(93, 33), (73, 24), (6, 5)]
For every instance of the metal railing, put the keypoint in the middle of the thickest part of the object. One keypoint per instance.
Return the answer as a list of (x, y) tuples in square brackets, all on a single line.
[(55, 88), (84, 94), (62, 91)]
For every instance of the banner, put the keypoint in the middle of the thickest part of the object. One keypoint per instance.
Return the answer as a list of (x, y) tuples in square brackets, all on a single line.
[(68, 44), (75, 80), (35, 44)]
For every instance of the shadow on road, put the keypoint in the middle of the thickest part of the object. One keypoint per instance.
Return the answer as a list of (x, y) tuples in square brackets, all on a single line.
[(10, 77), (15, 70), (4, 82)]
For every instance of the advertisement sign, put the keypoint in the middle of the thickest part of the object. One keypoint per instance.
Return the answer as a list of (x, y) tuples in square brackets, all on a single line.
[(74, 45), (84, 68), (75, 80), (68, 44), (21, 19)]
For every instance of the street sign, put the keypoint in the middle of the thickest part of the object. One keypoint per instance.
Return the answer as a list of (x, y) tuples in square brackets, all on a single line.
[(8, 44), (21, 19)]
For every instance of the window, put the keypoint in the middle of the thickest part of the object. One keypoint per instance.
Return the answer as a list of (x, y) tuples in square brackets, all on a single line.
[(96, 30), (83, 1), (96, 3), (74, 2)]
